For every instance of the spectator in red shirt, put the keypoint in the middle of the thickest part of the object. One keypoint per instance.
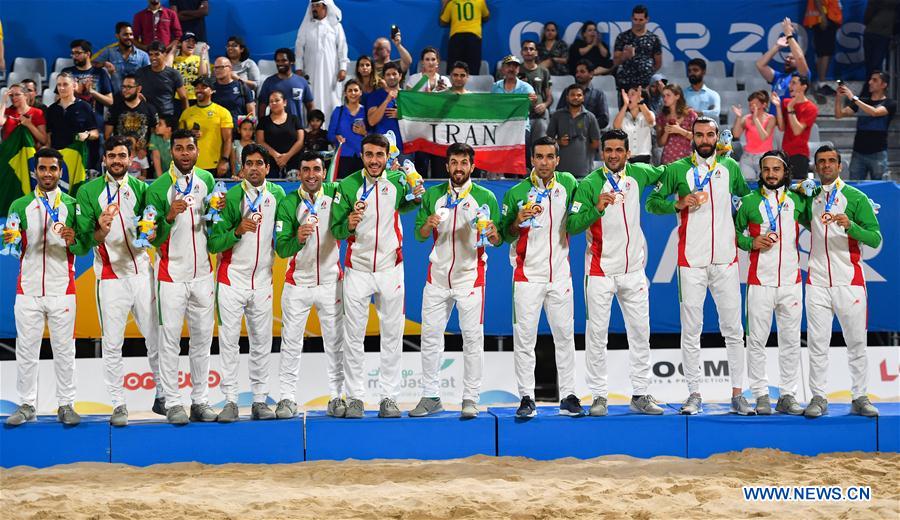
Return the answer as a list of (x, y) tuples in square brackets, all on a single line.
[(795, 117), (156, 23), (20, 113)]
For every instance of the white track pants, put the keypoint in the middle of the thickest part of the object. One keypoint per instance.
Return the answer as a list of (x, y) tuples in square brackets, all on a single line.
[(437, 303), (632, 291), (556, 299), (787, 304), (849, 303), (179, 300), (388, 289), (255, 306), (724, 284), (59, 313), (296, 303)]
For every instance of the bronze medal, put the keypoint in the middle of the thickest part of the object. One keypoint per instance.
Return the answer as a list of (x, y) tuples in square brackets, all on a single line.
[(256, 217), (827, 218), (702, 197), (773, 236), (189, 199), (112, 209), (619, 198), (538, 209), (312, 219), (360, 205), (58, 228)]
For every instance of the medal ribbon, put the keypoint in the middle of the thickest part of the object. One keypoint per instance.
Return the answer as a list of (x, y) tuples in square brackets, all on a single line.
[(831, 197), (612, 180), (698, 184), (312, 204), (546, 192), (773, 217), (254, 205), (111, 197), (453, 202), (52, 210), (190, 184), (366, 192)]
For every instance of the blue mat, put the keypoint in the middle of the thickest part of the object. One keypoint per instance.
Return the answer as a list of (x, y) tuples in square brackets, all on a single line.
[(47, 442), (437, 437), (147, 442), (552, 436), (888, 427)]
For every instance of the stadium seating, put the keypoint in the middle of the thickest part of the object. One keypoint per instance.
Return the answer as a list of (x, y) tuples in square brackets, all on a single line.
[(267, 67), (604, 83), (26, 65), (17, 77), (480, 83), (62, 63)]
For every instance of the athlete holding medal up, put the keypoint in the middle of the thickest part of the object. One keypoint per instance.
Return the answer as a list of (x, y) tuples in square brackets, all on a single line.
[(770, 217)]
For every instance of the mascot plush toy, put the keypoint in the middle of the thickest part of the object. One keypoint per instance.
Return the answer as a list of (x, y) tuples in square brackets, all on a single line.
[(480, 223), (213, 199), (12, 235), (146, 227), (412, 179)]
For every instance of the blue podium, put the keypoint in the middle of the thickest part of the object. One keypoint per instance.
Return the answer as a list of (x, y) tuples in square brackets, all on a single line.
[(888, 427), (47, 442), (441, 436)]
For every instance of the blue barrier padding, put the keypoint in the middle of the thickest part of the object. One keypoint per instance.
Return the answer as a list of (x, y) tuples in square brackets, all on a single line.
[(888, 427), (717, 431), (441, 436), (147, 442), (47, 442), (553, 436)]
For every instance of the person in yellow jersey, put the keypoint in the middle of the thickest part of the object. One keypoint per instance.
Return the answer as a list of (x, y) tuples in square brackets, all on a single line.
[(211, 125), (464, 18)]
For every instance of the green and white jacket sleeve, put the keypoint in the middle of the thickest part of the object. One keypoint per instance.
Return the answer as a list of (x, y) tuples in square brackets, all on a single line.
[(864, 225), (286, 225), (583, 211)]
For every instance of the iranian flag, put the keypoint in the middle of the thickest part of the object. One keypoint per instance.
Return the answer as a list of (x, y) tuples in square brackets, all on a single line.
[(493, 124)]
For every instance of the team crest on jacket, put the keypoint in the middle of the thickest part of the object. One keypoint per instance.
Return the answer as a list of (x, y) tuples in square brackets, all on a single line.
[(384, 190), (267, 203)]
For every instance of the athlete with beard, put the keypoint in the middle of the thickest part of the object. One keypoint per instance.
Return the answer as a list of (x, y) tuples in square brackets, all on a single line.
[(768, 226), (707, 255)]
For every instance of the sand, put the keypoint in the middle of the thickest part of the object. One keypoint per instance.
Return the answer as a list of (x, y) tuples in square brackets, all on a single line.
[(476, 487)]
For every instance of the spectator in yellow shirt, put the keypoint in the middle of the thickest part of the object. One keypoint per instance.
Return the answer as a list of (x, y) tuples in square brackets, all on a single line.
[(212, 125), (464, 18)]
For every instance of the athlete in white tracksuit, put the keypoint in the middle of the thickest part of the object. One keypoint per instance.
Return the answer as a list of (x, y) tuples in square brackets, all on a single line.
[(608, 206), (313, 279), (366, 212), (707, 253), (767, 225), (243, 240), (836, 284), (107, 207), (539, 254), (46, 288), (184, 285)]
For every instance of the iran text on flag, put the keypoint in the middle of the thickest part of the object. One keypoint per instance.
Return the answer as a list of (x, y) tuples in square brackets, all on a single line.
[(493, 124)]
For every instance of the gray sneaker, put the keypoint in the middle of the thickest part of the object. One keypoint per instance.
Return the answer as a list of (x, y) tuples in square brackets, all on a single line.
[(261, 412), (740, 406), (818, 407), (229, 413), (67, 415), (763, 405), (337, 407), (24, 413), (286, 409), (693, 405), (356, 409), (645, 404), (177, 415), (388, 409), (862, 406), (789, 405), (598, 407), (203, 413), (427, 406), (119, 416), (469, 410)]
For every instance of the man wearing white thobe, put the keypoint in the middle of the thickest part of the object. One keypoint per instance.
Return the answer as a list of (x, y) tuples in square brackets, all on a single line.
[(321, 50)]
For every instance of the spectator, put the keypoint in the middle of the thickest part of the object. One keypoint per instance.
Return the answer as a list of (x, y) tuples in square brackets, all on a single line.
[(92, 83), (156, 24), (655, 92), (243, 68), (322, 52), (674, 124), (511, 84), (31, 94), (796, 117), (823, 17), (281, 134), (130, 115), (365, 75), (381, 105), (232, 94), (2, 51), (553, 52), (430, 79), (637, 52), (758, 129), (160, 83), (140, 165), (459, 77), (122, 57), (539, 79), (577, 133), (594, 99), (212, 127), (347, 128), (69, 119), (464, 18), (870, 157), (381, 54), (588, 46), (20, 113), (793, 62), (637, 120), (160, 145), (191, 66), (246, 126), (294, 89), (698, 96), (880, 19), (315, 139), (192, 16)]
